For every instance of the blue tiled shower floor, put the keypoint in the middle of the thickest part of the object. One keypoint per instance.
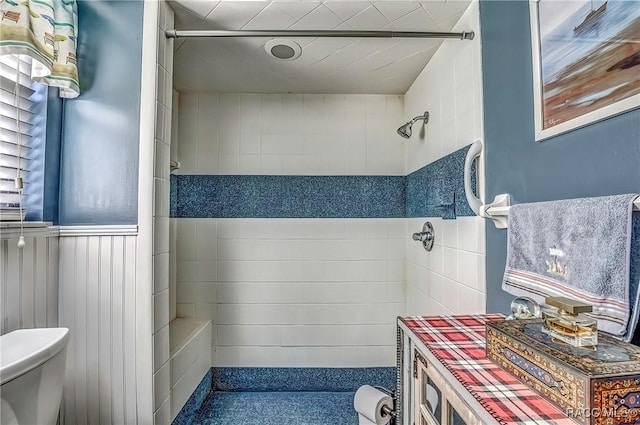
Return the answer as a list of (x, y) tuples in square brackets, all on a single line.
[(278, 408)]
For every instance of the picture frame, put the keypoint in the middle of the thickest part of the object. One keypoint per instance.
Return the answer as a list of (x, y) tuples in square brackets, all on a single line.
[(584, 69)]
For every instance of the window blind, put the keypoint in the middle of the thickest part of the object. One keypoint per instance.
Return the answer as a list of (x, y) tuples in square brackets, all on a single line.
[(16, 123)]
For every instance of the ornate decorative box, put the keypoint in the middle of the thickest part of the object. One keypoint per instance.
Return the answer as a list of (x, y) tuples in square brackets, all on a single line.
[(597, 385)]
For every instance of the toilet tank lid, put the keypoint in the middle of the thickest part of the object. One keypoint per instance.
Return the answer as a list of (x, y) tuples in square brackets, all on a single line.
[(26, 349)]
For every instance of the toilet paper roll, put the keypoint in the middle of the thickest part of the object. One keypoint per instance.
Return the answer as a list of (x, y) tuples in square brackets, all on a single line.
[(368, 402)]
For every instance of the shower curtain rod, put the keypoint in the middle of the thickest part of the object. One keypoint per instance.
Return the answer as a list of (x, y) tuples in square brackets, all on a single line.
[(464, 35)]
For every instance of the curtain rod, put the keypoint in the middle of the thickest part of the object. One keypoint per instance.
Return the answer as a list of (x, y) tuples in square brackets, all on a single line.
[(464, 35)]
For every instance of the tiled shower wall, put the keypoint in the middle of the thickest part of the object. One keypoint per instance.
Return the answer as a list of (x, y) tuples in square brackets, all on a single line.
[(292, 292), (450, 278), (162, 154), (295, 134)]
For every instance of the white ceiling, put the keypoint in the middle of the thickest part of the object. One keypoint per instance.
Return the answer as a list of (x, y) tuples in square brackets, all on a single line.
[(327, 65)]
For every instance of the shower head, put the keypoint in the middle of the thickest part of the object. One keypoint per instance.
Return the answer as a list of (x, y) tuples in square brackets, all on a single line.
[(405, 130)]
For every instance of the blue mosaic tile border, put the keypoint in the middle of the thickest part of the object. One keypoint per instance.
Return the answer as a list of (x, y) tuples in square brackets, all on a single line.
[(190, 409), (202, 196), (301, 379), (437, 189), (173, 195)]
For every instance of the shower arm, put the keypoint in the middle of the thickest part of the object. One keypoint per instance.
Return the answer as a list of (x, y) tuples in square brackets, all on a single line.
[(174, 33)]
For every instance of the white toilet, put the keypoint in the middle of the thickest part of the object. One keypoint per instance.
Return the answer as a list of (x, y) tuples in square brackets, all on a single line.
[(32, 363)]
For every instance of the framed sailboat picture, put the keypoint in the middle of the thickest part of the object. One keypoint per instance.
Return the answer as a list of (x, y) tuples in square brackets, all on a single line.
[(586, 62)]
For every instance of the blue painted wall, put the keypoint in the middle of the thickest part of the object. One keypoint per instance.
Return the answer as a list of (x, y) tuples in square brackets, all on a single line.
[(51, 189), (99, 161), (600, 159)]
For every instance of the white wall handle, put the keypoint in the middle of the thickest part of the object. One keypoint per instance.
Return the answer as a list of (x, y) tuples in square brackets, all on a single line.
[(474, 202)]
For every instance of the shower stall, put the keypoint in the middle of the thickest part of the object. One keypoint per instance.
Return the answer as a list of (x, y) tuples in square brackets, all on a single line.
[(291, 205)]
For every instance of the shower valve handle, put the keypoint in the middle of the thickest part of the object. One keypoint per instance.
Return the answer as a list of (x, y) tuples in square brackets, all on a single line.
[(422, 236), (427, 236)]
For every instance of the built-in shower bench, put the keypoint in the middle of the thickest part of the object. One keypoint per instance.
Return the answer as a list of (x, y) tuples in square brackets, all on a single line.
[(447, 354), (190, 358)]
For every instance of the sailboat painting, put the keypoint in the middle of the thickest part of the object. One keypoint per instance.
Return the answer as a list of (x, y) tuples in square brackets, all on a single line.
[(586, 57)]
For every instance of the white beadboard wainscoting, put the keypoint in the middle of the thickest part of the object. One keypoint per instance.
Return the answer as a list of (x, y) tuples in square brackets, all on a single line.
[(28, 279), (98, 304)]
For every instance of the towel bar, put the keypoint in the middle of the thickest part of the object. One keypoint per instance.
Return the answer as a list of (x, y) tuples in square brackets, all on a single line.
[(498, 210)]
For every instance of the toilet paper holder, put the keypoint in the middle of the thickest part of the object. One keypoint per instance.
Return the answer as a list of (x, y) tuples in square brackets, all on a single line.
[(386, 410)]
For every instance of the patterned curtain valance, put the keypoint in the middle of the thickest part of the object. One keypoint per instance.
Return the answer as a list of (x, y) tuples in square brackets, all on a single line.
[(45, 30)]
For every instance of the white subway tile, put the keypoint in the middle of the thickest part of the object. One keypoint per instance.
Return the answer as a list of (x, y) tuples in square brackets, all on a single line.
[(395, 271), (467, 233), (161, 310), (227, 356), (206, 311), (188, 133), (161, 385), (325, 356), (384, 292), (206, 235), (376, 229), (381, 356), (185, 310), (250, 126), (376, 249), (468, 268), (323, 335), (227, 292), (250, 314), (450, 294), (249, 335), (186, 292), (207, 292), (160, 272), (206, 271), (250, 164), (208, 163), (321, 314), (160, 348), (259, 293), (183, 389), (161, 235), (229, 164), (162, 416), (437, 259), (261, 357), (469, 301), (376, 271), (450, 263), (383, 313), (227, 228), (384, 334), (186, 271), (396, 249), (449, 233), (321, 292), (186, 239)]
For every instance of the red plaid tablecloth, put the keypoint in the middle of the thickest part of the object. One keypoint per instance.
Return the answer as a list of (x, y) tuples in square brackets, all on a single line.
[(458, 342)]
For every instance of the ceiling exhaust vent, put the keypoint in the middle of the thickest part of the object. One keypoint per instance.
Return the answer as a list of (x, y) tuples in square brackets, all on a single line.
[(283, 49)]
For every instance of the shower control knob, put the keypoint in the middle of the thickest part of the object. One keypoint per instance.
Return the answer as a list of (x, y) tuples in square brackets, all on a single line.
[(426, 236), (422, 236)]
